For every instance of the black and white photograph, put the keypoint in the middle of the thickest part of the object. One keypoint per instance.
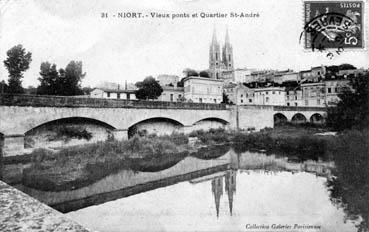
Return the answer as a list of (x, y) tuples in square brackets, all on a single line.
[(184, 115)]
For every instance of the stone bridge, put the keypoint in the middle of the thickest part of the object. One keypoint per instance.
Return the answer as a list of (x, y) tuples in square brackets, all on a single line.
[(314, 115), (35, 121)]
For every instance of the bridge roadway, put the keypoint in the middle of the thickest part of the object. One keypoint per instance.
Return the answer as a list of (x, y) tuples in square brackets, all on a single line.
[(21, 115)]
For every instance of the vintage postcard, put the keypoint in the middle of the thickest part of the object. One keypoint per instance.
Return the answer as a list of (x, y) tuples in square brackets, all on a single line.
[(184, 115)]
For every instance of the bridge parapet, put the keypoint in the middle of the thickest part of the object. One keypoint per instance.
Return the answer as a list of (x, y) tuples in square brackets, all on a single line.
[(299, 108), (75, 102)]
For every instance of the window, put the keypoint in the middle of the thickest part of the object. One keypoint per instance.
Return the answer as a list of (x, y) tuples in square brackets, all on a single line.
[(229, 58), (295, 97), (295, 103), (329, 90), (216, 56), (306, 102), (288, 104), (108, 94), (241, 95), (215, 100), (266, 92), (241, 100), (267, 99), (200, 100), (118, 95), (128, 96), (318, 101), (171, 97), (250, 100), (273, 92), (336, 89)]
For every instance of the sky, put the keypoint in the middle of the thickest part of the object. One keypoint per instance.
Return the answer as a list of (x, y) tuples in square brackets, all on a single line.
[(129, 49)]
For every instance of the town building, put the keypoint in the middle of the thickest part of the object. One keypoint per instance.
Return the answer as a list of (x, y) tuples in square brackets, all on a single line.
[(288, 76), (270, 96), (314, 74), (168, 80), (332, 89), (203, 90), (313, 94), (294, 97), (172, 94), (220, 62), (244, 95), (239, 94), (125, 94), (242, 75)]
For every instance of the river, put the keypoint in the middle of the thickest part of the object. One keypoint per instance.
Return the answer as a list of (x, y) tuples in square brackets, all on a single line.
[(248, 191)]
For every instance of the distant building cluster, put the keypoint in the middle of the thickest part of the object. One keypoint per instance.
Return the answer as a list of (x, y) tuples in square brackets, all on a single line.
[(318, 86)]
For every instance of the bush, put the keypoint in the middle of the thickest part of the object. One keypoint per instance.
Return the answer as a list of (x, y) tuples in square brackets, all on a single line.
[(69, 132)]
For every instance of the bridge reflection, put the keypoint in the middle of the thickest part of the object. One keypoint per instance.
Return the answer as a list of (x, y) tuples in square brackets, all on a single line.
[(220, 172)]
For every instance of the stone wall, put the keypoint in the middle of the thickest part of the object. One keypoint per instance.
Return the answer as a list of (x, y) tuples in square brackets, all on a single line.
[(20, 212), (62, 101)]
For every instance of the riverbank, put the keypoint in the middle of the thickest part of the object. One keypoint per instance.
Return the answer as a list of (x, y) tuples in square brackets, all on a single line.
[(79, 166)]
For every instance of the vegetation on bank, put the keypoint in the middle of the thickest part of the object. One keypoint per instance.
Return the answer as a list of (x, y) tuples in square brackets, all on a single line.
[(78, 166)]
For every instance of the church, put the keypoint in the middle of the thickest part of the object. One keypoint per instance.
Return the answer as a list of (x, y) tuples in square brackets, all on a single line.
[(220, 64)]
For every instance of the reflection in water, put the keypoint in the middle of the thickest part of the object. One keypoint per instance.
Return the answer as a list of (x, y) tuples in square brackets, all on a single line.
[(270, 189), (217, 189), (230, 188)]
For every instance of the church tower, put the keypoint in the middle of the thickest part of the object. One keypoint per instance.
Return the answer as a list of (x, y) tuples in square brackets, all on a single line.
[(219, 62), (215, 62), (227, 51)]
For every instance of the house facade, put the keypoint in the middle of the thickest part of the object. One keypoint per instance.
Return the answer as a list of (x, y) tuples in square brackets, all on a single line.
[(123, 94), (270, 96), (203, 90), (172, 94)]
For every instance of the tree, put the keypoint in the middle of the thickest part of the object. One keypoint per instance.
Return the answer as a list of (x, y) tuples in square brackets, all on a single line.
[(204, 74), (149, 88), (30, 90), (190, 73), (353, 109), (180, 83), (49, 80), (3, 87), (65, 82), (87, 90), (71, 78), (17, 62)]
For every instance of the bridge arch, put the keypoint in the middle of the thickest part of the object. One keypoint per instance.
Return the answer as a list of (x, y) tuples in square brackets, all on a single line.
[(317, 118), (210, 123), (298, 118), (279, 119), (156, 125), (67, 131)]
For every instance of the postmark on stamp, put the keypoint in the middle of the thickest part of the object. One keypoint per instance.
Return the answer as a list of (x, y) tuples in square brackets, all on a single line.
[(336, 25)]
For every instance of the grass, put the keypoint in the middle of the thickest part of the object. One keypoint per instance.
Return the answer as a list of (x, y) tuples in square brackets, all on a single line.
[(79, 166)]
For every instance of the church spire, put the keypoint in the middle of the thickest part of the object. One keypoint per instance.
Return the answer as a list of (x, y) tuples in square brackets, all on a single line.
[(227, 42), (214, 41)]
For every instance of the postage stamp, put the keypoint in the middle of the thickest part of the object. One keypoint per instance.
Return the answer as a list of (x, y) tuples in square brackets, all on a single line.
[(333, 25)]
